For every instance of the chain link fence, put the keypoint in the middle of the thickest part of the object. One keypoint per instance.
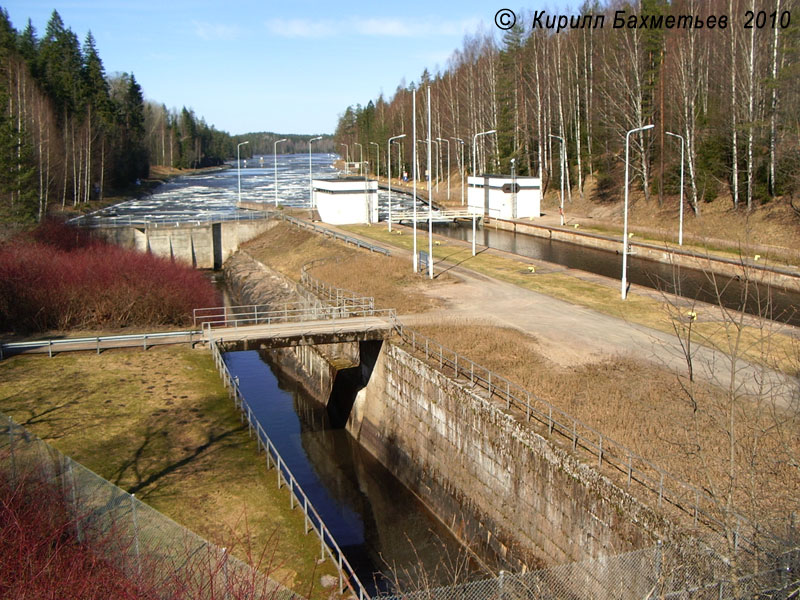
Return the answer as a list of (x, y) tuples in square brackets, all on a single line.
[(657, 572), (143, 544)]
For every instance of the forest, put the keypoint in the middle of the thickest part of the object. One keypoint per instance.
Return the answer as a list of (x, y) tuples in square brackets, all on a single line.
[(70, 133), (728, 97)]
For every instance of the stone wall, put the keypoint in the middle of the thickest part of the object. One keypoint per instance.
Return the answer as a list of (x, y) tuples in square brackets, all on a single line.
[(491, 479)]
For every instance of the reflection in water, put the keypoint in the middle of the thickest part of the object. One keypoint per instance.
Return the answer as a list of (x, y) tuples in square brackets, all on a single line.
[(383, 529), (782, 304)]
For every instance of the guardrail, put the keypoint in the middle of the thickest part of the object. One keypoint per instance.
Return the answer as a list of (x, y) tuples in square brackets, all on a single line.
[(55, 345), (637, 470), (347, 575), (99, 220), (333, 234)]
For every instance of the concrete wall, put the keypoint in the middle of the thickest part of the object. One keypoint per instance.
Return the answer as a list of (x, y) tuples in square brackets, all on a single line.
[(526, 501), (205, 246)]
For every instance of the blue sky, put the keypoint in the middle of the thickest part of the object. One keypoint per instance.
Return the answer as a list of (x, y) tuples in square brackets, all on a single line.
[(289, 67)]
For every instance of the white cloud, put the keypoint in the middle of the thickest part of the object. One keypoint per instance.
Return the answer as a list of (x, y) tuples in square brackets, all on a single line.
[(215, 31), (302, 28), (375, 26)]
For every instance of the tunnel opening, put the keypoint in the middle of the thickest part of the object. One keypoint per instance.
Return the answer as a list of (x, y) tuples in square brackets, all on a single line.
[(348, 382)]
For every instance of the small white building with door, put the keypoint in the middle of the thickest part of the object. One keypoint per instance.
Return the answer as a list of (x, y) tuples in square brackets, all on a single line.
[(345, 201), (504, 197)]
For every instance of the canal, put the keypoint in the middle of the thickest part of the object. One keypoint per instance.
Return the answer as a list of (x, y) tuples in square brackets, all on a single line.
[(386, 533)]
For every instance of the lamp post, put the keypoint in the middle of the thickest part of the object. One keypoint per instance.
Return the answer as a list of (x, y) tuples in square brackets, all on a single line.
[(360, 158), (239, 169), (430, 194), (448, 165), (377, 159), (680, 227), (310, 185), (414, 171), (513, 189), (562, 161), (389, 157), (475, 149), (346, 157), (461, 169), (625, 228), (275, 165)]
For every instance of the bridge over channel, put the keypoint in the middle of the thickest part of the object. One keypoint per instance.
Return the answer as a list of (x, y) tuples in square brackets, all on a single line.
[(294, 324)]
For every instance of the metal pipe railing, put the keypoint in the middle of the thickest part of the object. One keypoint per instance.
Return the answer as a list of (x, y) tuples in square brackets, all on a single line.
[(313, 520)]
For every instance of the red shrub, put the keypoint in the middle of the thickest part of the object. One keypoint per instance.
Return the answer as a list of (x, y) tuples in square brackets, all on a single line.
[(74, 282)]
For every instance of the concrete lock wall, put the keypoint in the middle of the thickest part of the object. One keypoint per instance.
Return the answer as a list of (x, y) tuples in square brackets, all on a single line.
[(205, 246), (528, 502)]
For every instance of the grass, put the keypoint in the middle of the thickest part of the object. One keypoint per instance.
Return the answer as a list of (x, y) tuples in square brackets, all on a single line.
[(647, 409), (388, 279), (160, 424), (641, 309)]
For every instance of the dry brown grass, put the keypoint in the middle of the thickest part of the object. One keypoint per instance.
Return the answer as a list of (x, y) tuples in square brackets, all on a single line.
[(160, 424), (771, 230), (388, 279), (647, 409)]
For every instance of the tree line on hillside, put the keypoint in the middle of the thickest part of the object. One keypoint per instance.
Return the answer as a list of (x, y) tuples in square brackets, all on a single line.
[(69, 133), (263, 143), (731, 93)]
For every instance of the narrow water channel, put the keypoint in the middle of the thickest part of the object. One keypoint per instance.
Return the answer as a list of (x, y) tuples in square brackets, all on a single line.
[(387, 534), (772, 302)]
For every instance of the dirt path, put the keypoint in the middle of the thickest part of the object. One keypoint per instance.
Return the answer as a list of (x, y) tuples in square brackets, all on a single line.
[(569, 334)]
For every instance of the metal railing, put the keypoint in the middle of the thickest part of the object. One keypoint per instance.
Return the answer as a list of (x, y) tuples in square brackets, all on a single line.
[(638, 472), (143, 544), (313, 521), (292, 312), (337, 296), (333, 234), (100, 220), (58, 345)]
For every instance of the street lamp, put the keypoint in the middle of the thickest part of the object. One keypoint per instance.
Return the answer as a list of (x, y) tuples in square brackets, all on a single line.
[(377, 159), (625, 228), (239, 168), (562, 161), (430, 193), (475, 150), (275, 165), (360, 158), (461, 169), (346, 157), (389, 157), (448, 165), (310, 185), (680, 228), (414, 171)]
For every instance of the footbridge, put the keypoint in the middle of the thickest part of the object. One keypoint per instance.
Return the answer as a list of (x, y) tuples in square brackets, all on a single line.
[(438, 216), (294, 324)]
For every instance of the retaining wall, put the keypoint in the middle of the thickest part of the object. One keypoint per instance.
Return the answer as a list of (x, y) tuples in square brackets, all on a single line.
[(526, 501)]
